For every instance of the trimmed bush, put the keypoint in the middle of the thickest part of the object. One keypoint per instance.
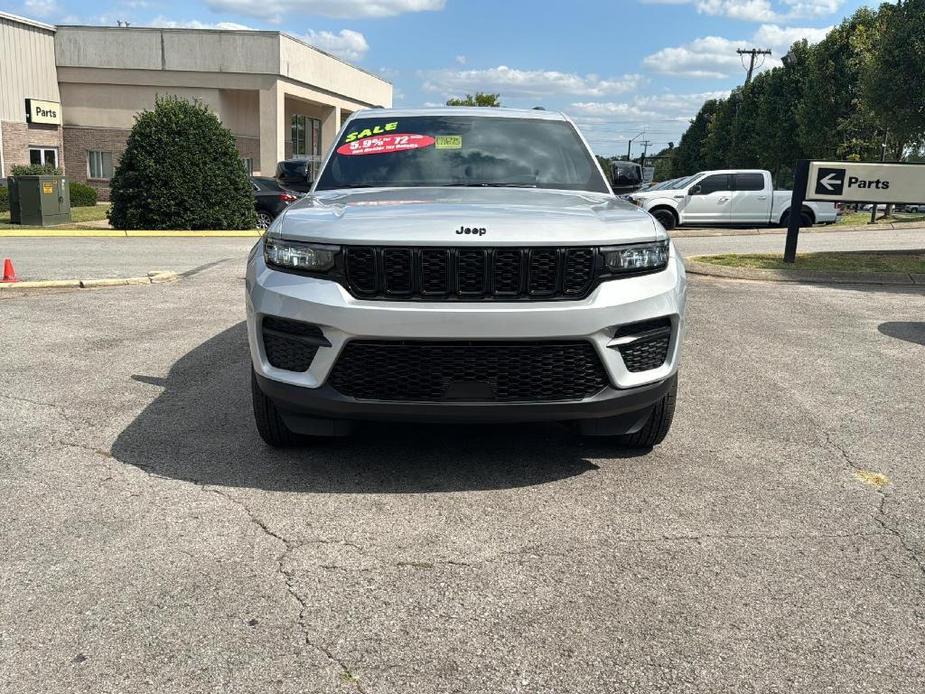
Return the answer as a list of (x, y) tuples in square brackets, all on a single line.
[(82, 195), (35, 170), (4, 199), (180, 170)]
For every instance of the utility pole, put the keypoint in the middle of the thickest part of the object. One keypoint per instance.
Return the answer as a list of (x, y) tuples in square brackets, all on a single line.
[(629, 145), (645, 148), (752, 52)]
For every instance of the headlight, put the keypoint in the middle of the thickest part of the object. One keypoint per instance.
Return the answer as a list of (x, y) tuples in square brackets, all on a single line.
[(636, 258), (294, 255)]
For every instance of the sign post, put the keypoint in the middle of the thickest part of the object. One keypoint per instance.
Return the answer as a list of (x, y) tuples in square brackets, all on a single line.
[(849, 181), (796, 203)]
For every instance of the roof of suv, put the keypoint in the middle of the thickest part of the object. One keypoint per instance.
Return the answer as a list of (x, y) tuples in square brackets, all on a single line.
[(481, 111)]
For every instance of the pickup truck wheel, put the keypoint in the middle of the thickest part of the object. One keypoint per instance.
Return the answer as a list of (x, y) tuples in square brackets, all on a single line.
[(805, 220), (665, 218), (270, 424), (656, 429)]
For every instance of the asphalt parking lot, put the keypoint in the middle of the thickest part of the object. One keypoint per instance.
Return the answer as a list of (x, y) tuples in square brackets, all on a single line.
[(152, 543)]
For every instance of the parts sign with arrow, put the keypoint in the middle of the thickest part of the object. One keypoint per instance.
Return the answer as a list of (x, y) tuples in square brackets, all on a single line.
[(850, 181), (830, 181)]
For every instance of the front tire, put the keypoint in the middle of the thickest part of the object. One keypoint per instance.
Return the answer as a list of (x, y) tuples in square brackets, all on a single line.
[(264, 221), (270, 424), (656, 428), (665, 217)]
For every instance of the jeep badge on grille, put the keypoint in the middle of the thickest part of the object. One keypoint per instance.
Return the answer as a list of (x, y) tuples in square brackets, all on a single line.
[(480, 231)]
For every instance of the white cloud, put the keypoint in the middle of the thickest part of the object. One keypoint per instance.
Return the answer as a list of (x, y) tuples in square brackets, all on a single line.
[(661, 117), (781, 38), (707, 57), (715, 57), (277, 10), (748, 10), (346, 44), (658, 107), (461, 59), (42, 8), (759, 10), (812, 8), (511, 82)]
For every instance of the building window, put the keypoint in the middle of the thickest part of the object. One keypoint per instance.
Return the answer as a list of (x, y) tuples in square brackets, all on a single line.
[(43, 155), (99, 164), (305, 136), (248, 165)]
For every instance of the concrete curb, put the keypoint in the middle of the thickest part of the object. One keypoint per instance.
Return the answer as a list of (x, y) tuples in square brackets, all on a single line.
[(122, 233), (683, 233), (157, 277), (696, 267)]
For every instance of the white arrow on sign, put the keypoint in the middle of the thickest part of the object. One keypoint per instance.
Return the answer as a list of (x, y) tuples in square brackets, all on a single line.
[(829, 183)]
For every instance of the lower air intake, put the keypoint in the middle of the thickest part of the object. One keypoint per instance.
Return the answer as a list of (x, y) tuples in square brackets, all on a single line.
[(468, 371)]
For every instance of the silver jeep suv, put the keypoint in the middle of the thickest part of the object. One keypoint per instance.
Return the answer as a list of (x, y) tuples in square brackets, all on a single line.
[(464, 265)]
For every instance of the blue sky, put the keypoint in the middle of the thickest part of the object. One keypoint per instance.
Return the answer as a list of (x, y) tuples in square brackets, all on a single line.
[(619, 67)]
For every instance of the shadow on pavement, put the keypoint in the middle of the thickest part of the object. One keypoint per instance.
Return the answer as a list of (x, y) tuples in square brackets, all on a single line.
[(201, 429), (910, 331)]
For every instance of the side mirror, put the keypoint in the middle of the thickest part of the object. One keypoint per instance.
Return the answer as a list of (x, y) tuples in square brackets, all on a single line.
[(696, 190), (626, 177)]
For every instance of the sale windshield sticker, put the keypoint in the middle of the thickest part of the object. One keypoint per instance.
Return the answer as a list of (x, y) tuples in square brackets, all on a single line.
[(369, 132), (385, 144), (449, 142)]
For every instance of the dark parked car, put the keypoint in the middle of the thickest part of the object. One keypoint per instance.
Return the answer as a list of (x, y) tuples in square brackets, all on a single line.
[(295, 174), (271, 199)]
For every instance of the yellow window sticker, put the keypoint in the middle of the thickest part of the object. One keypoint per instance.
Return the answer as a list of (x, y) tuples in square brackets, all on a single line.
[(449, 141), (369, 132)]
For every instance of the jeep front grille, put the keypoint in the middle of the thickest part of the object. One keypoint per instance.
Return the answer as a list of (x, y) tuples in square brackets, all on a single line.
[(470, 274), (470, 371)]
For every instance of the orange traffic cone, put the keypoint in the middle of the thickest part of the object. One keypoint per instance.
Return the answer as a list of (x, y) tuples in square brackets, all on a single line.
[(9, 274)]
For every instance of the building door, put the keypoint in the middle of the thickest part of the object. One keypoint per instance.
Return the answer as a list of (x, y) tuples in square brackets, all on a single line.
[(43, 155), (306, 140)]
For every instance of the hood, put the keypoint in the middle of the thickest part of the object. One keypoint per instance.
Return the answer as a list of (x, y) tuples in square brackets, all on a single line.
[(493, 216)]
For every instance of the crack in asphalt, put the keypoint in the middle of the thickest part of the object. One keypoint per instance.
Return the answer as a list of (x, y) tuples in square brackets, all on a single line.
[(880, 517), (347, 675)]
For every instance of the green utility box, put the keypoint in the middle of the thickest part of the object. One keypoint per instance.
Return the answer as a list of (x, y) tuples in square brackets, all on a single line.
[(40, 201)]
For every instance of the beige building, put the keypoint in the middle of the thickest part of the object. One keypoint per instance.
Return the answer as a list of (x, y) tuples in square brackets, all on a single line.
[(279, 96), (27, 79)]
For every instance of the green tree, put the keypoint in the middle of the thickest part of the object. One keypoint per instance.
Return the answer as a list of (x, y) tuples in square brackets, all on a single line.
[(181, 170), (688, 157), (480, 99), (834, 118), (894, 75), (664, 164), (718, 144)]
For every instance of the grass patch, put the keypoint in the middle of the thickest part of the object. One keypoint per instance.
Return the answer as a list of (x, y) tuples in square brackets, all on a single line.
[(860, 218), (912, 262), (78, 214)]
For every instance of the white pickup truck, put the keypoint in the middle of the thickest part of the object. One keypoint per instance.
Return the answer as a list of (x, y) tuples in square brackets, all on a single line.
[(744, 197)]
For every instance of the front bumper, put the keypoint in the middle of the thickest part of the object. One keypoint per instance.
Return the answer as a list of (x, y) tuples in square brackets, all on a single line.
[(342, 318)]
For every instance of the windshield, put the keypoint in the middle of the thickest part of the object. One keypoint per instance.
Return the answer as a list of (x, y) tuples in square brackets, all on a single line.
[(680, 182), (461, 151)]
